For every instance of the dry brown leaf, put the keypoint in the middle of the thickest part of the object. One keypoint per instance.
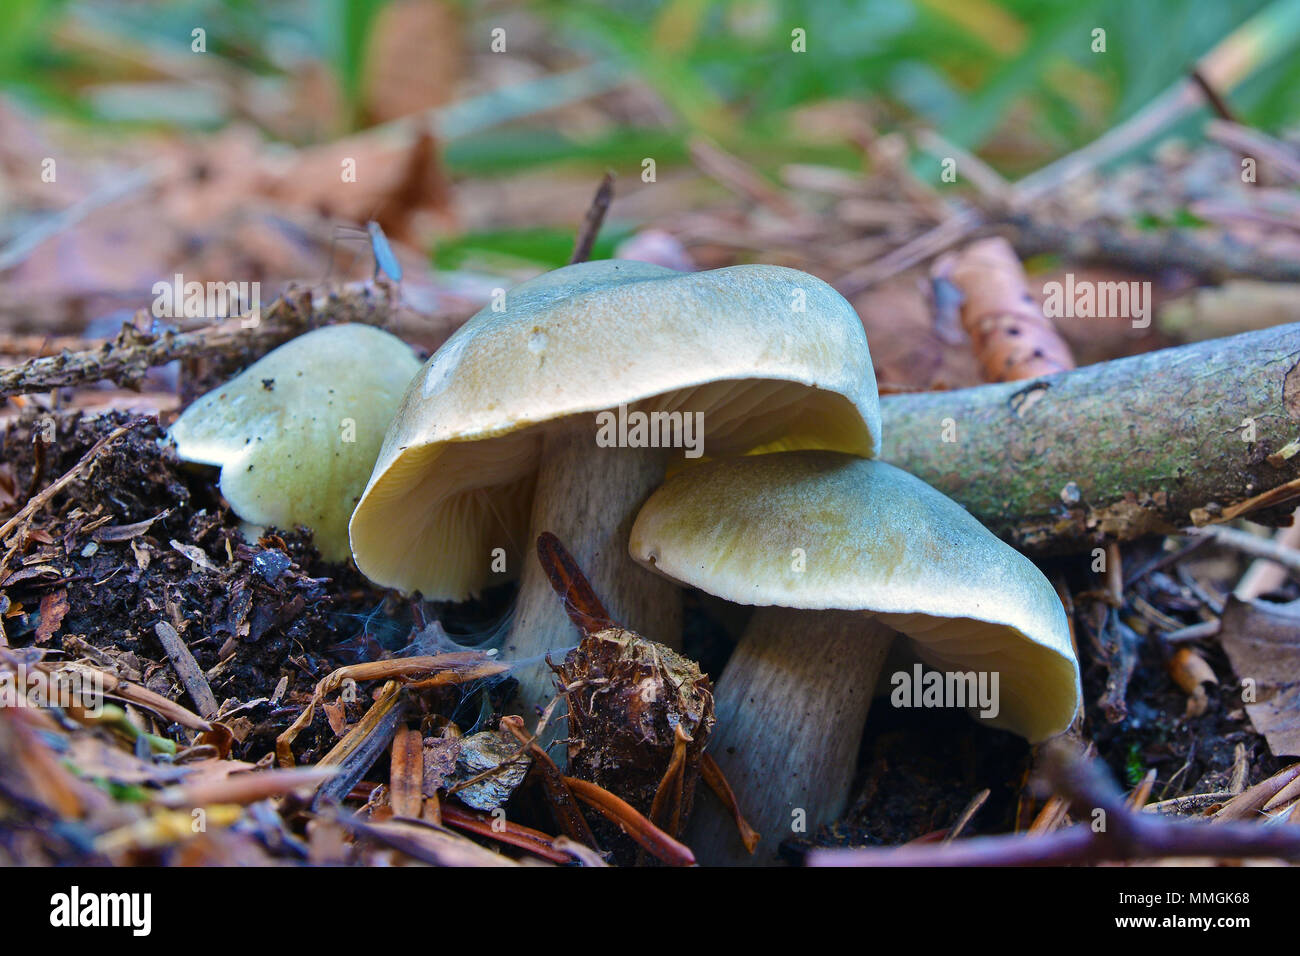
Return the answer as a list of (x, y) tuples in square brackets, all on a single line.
[(337, 714), (54, 606), (392, 180), (1262, 640), (1010, 335), (96, 757), (413, 59), (1190, 672), (909, 353)]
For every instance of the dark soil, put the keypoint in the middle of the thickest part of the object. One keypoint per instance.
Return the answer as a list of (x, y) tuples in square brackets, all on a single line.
[(270, 612)]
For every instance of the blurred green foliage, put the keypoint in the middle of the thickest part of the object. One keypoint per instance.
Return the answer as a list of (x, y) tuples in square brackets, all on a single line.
[(511, 248), (962, 66), (1017, 80), (971, 68)]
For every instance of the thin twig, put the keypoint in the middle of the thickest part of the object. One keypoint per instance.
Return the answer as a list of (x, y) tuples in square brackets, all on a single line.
[(1277, 155), (1195, 632), (509, 832), (1113, 832), (972, 808), (565, 804), (1163, 561), (591, 223), (1217, 102), (1179, 806), (982, 176), (925, 246), (1264, 575), (1250, 544), (244, 788), (741, 178)]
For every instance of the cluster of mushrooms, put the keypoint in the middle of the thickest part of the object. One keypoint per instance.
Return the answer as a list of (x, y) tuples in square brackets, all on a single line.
[(494, 441)]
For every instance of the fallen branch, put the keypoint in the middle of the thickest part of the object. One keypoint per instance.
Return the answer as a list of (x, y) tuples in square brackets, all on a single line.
[(1142, 445), (1114, 832), (1210, 255), (125, 360)]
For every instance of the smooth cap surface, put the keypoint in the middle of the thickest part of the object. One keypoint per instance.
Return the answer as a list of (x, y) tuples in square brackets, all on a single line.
[(820, 530), (297, 432), (771, 357)]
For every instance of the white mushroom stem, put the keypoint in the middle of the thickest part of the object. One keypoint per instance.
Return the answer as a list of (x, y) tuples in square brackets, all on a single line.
[(791, 706), (588, 496)]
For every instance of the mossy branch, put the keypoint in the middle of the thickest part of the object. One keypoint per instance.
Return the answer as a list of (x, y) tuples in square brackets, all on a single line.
[(1135, 446), (125, 359)]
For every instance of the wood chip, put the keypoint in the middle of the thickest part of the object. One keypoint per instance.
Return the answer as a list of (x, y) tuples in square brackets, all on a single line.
[(187, 669)]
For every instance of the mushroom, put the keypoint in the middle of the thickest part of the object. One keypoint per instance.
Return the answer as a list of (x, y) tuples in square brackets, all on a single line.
[(839, 554), (551, 410), (296, 433)]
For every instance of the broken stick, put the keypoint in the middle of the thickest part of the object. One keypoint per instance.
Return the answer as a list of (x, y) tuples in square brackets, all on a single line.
[(1142, 445)]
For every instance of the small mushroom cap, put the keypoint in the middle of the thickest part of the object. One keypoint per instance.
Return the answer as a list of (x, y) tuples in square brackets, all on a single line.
[(772, 357), (297, 432), (821, 530)]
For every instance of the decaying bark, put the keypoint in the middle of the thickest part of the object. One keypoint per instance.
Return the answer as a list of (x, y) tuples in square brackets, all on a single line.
[(1117, 450), (125, 359), (1009, 333)]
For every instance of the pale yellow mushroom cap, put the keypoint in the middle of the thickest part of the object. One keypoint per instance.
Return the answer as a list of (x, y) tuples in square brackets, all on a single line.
[(297, 432), (820, 530), (772, 357)]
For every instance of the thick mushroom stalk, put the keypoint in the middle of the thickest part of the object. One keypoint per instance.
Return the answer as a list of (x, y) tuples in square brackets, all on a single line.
[(497, 439), (588, 497), (791, 707), (861, 547)]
